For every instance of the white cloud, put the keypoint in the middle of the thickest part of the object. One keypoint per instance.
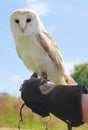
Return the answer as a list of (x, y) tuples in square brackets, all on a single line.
[(2, 88), (14, 77), (41, 7), (69, 66)]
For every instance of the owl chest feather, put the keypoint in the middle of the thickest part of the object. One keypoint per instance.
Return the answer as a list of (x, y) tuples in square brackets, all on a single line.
[(32, 54)]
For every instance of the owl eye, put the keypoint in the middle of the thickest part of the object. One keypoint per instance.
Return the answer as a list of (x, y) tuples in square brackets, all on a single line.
[(17, 21), (28, 20)]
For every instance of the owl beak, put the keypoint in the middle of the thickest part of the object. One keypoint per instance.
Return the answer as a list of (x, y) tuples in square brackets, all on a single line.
[(22, 29)]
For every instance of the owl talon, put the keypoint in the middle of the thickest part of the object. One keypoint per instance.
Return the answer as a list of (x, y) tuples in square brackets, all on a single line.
[(34, 75), (44, 75)]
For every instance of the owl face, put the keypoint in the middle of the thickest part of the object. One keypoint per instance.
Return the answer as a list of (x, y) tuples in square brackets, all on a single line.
[(25, 22)]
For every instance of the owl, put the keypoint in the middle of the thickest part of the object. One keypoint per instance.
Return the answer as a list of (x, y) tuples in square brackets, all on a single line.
[(36, 47)]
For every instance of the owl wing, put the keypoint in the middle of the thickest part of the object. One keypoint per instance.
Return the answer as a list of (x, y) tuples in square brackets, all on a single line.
[(50, 47)]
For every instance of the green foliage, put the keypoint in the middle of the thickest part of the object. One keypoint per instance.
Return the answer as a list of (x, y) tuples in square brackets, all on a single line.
[(80, 74), (8, 119), (9, 115)]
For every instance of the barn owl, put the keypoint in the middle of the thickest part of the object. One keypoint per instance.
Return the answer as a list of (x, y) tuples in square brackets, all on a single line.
[(36, 47)]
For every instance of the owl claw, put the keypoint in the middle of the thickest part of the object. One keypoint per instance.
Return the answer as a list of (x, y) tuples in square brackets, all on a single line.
[(34, 75), (44, 75)]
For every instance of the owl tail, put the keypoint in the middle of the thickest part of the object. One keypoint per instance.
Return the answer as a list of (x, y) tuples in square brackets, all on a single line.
[(69, 80)]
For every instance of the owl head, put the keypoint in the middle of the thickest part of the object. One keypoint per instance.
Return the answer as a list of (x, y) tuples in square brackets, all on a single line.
[(25, 22)]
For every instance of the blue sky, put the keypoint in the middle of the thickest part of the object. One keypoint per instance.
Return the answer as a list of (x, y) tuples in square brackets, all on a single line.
[(65, 20)]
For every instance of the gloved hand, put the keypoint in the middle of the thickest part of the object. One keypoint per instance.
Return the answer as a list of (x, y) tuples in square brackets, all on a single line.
[(62, 101), (31, 94)]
